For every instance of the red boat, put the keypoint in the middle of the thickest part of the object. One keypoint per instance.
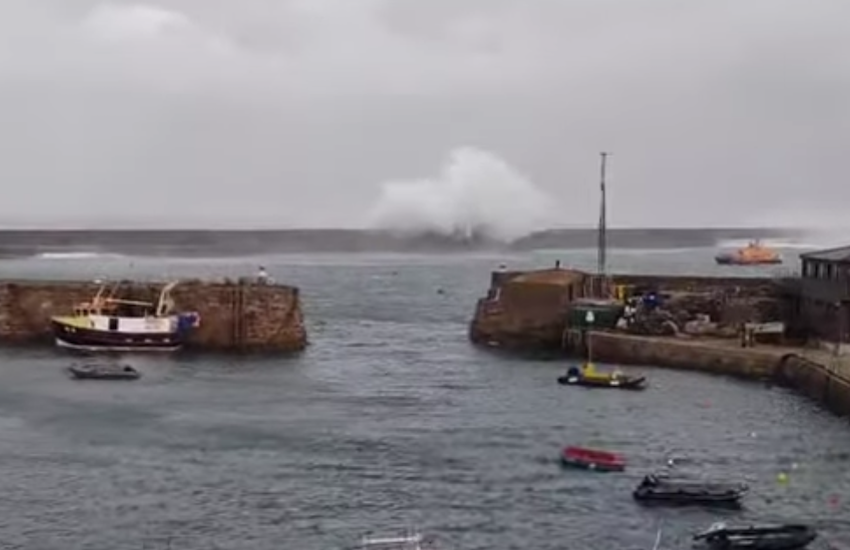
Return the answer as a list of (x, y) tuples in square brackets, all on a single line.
[(591, 459)]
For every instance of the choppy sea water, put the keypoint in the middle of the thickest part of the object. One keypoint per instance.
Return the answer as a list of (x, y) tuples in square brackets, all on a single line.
[(390, 418)]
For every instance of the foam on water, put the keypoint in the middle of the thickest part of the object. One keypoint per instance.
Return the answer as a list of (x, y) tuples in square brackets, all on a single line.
[(74, 255)]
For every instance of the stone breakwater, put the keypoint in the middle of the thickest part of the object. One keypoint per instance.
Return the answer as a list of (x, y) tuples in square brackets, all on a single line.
[(530, 312), (237, 316)]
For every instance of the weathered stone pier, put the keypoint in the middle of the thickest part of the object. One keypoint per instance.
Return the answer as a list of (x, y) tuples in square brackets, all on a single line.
[(531, 310), (234, 316), (703, 327)]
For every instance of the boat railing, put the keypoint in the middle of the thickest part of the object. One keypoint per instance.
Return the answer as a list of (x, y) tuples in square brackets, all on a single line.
[(128, 302)]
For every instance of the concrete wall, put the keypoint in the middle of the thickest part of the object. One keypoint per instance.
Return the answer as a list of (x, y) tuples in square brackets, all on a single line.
[(685, 354), (811, 379), (233, 316), (815, 381)]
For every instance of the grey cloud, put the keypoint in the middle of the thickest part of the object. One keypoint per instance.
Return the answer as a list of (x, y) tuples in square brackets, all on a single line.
[(285, 113)]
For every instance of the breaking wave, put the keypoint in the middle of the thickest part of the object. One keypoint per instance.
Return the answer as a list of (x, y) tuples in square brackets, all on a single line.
[(74, 255), (475, 196)]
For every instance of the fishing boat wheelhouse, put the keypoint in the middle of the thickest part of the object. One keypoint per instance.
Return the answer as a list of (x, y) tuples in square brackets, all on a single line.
[(110, 323)]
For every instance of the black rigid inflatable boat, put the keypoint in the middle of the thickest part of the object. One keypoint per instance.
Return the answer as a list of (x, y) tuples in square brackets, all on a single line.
[(662, 489), (756, 537), (91, 371)]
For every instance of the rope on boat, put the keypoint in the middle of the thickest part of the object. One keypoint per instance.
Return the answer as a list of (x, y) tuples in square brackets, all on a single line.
[(657, 540)]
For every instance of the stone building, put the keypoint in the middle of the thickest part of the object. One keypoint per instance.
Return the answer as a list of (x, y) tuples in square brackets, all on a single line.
[(824, 294)]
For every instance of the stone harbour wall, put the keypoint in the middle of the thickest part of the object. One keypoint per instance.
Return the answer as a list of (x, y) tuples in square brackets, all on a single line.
[(816, 381), (528, 310), (682, 353), (824, 385), (234, 316)]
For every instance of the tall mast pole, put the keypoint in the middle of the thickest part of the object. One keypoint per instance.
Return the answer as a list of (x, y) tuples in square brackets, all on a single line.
[(603, 222)]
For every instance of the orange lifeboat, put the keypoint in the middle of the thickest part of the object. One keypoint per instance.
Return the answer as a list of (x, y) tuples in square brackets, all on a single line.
[(752, 254)]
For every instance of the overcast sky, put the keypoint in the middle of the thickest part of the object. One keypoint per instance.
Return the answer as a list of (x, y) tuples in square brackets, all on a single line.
[(293, 113)]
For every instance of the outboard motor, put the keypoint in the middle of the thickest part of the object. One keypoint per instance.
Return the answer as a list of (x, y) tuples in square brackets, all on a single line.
[(188, 321)]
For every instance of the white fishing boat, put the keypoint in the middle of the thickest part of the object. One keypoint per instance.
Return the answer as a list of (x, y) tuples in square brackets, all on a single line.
[(108, 322)]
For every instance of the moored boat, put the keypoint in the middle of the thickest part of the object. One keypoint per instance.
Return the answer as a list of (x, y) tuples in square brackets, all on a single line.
[(753, 254), (115, 324), (592, 459), (588, 376), (756, 537), (91, 371), (407, 541), (660, 489)]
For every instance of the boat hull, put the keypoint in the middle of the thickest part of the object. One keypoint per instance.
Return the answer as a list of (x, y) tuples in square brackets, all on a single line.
[(724, 260), (775, 537), (624, 383), (104, 374), (595, 466), (790, 537), (80, 338), (599, 462), (688, 494)]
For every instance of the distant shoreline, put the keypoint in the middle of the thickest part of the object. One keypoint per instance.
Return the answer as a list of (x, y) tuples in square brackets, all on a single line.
[(53, 243)]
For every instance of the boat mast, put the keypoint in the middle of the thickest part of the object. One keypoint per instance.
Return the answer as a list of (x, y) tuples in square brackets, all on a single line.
[(602, 245)]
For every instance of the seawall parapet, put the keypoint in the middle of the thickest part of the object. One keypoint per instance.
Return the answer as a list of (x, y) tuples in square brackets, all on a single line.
[(716, 356), (814, 373), (235, 316)]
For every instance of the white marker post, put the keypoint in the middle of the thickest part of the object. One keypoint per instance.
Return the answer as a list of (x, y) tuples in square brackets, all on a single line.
[(589, 319)]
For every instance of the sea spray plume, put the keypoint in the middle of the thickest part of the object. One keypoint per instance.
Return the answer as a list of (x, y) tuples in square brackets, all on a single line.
[(476, 196)]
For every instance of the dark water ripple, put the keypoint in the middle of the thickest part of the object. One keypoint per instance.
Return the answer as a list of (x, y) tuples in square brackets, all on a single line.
[(390, 418)]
